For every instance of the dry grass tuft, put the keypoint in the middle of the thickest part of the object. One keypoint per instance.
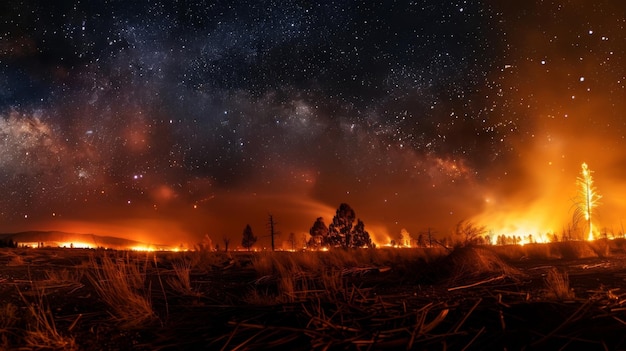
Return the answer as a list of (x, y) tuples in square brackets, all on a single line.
[(16, 260), (332, 281), (541, 251), (476, 262), (265, 263), (618, 245), (204, 259), (282, 270), (8, 319), (42, 332), (572, 250), (65, 275), (557, 285), (285, 277), (291, 277), (121, 285), (8, 316), (511, 252), (181, 281), (601, 247), (568, 250)]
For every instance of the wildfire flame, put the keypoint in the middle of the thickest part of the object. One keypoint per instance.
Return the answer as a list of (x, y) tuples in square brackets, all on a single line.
[(540, 215)]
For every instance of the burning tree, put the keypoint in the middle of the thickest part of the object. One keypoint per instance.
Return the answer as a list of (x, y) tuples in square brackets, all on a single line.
[(587, 198), (405, 239)]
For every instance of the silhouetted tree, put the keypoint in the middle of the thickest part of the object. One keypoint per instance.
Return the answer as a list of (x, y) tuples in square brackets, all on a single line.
[(403, 238), (427, 237), (270, 225), (8, 243), (342, 233), (469, 232), (248, 238), (319, 234), (420, 240), (292, 240), (340, 230), (360, 237), (500, 240), (206, 243)]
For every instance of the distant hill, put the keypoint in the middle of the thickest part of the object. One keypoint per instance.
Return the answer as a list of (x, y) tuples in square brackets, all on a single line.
[(55, 239)]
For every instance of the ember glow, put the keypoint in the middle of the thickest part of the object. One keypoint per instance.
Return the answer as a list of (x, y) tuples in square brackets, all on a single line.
[(172, 123)]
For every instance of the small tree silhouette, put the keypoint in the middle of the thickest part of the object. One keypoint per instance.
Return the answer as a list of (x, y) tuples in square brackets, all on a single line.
[(292, 241), (248, 238), (226, 242)]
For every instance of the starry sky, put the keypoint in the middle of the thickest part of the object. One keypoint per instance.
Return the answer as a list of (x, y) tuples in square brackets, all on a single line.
[(171, 120)]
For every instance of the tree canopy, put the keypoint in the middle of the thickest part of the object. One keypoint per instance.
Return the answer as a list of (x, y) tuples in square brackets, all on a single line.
[(319, 234), (341, 232), (360, 237)]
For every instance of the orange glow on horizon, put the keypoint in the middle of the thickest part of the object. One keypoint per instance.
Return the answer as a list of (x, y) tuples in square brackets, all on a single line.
[(142, 248), (76, 245)]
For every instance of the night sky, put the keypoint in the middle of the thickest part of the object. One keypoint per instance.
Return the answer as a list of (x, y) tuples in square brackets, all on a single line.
[(171, 120)]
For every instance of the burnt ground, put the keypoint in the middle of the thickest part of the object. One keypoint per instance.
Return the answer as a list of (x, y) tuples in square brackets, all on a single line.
[(439, 305)]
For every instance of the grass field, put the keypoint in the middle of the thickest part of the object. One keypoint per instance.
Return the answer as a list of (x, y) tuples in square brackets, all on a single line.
[(566, 295)]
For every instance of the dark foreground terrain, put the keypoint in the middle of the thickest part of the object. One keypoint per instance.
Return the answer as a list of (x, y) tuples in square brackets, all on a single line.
[(538, 297)]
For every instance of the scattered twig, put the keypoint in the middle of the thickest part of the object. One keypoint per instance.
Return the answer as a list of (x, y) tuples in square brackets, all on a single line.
[(74, 322), (474, 338), (467, 315), (478, 283), (572, 317), (619, 320)]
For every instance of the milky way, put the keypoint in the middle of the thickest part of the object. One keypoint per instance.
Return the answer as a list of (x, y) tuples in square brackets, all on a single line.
[(178, 120)]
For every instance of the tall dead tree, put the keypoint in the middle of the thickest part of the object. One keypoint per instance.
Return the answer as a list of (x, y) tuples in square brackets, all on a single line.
[(226, 243), (271, 225)]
